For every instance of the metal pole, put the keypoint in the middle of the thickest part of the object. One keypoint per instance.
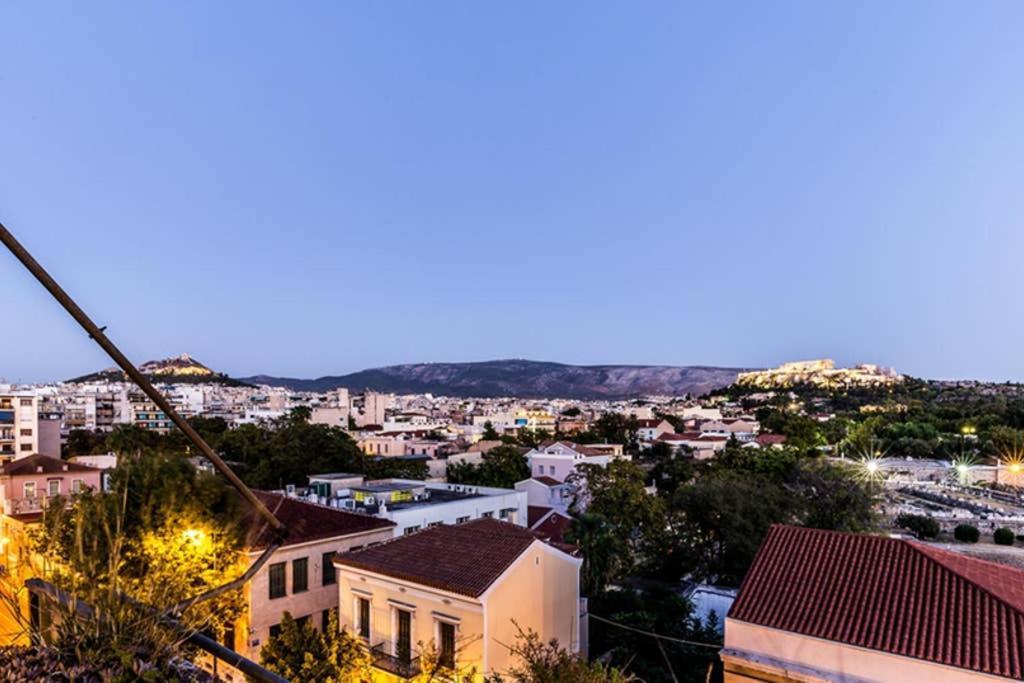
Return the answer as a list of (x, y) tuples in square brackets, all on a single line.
[(204, 642), (96, 333)]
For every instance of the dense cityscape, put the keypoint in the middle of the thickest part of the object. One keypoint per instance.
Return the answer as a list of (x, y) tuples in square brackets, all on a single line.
[(416, 522), (532, 342)]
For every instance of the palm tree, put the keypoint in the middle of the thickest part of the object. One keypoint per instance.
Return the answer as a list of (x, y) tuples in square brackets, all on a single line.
[(603, 551)]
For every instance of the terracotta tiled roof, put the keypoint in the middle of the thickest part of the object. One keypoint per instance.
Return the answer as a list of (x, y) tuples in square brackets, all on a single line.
[(465, 558), (572, 445), (548, 481), (770, 439), (49, 465), (553, 527), (685, 436), (895, 596), (534, 513), (307, 521)]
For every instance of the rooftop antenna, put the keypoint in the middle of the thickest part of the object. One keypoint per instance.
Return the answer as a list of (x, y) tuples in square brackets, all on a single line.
[(98, 335)]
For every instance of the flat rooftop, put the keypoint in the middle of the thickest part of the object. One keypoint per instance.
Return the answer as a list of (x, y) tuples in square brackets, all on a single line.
[(335, 475), (385, 486)]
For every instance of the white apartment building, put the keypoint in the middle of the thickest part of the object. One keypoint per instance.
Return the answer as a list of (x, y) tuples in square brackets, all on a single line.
[(413, 505), (23, 432)]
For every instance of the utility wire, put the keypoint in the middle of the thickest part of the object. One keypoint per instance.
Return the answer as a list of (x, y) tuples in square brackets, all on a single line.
[(655, 635)]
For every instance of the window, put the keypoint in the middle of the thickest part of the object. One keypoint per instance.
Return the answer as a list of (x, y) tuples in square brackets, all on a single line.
[(300, 575), (446, 646), (30, 489), (26, 403), (26, 432), (488, 514), (551, 469), (328, 575), (26, 447), (325, 621), (301, 622), (275, 630), (53, 486), (411, 530), (229, 636), (460, 520), (504, 513), (363, 617), (77, 485), (277, 581), (403, 644)]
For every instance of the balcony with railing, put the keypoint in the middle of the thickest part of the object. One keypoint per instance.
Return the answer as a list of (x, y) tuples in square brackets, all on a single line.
[(22, 506), (403, 664)]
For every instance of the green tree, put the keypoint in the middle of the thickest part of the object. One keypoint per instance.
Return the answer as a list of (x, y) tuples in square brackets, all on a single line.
[(719, 521), (84, 442), (831, 497), (657, 610), (604, 551), (619, 493), (924, 527), (549, 662), (301, 653), (489, 433), (501, 467)]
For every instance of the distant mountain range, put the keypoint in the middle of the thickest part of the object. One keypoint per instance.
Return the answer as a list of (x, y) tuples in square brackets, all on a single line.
[(521, 378), (183, 369)]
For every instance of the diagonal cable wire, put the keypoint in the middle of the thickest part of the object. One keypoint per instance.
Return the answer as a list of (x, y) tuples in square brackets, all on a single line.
[(97, 334)]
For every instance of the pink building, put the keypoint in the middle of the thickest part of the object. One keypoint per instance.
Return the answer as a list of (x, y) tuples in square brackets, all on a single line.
[(26, 485), (558, 459)]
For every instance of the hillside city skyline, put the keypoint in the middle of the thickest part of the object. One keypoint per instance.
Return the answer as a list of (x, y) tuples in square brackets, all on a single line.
[(533, 342)]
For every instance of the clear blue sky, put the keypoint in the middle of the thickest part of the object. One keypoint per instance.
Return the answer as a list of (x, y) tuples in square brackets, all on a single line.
[(314, 188)]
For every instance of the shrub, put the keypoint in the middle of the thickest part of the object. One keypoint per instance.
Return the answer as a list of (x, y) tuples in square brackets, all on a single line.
[(967, 533), (1003, 536), (924, 527)]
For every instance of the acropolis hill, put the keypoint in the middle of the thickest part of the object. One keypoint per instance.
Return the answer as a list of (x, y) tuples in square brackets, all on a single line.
[(822, 373)]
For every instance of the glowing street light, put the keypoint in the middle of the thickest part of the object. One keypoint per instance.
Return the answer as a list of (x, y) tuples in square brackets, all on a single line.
[(962, 467), (197, 538)]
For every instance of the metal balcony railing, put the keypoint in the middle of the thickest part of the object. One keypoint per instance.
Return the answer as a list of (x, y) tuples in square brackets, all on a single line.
[(403, 664)]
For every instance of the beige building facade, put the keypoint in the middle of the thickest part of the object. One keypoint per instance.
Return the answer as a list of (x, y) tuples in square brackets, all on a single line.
[(466, 607)]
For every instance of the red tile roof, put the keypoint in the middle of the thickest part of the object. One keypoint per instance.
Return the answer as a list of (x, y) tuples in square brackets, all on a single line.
[(548, 481), (49, 465), (535, 513), (307, 521), (572, 445), (553, 527), (770, 439), (465, 558), (895, 596)]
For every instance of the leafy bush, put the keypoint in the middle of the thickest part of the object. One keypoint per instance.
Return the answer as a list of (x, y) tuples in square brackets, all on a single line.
[(923, 526), (1003, 536), (967, 533)]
